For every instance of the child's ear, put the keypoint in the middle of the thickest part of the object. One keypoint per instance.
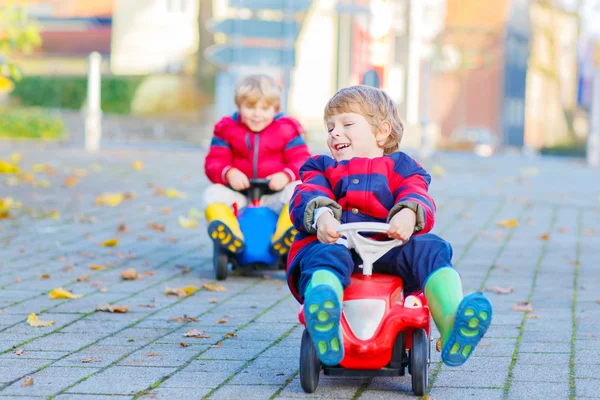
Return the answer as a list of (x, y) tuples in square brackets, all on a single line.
[(384, 131)]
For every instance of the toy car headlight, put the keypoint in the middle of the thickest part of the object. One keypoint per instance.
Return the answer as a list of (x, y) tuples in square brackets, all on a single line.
[(412, 302)]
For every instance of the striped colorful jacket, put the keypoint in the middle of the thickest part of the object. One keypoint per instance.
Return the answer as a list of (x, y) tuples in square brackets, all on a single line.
[(357, 190), (278, 148)]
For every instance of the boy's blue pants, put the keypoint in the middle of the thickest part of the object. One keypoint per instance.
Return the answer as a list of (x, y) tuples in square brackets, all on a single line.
[(413, 261)]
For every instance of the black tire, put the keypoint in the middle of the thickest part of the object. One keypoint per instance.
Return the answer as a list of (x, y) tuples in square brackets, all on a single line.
[(220, 263), (419, 362), (310, 365)]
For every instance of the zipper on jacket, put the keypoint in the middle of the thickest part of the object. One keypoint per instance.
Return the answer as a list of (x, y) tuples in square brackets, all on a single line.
[(255, 158)]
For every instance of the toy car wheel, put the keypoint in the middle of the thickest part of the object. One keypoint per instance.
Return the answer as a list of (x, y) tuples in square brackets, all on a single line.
[(220, 263), (310, 365), (419, 361)]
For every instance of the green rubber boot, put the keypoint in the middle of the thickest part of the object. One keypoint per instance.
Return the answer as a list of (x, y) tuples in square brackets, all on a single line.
[(462, 321), (322, 314)]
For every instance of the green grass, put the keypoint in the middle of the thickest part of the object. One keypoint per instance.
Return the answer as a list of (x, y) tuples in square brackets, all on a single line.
[(30, 123)]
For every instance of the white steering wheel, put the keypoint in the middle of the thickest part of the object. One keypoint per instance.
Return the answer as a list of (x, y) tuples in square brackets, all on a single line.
[(369, 250)]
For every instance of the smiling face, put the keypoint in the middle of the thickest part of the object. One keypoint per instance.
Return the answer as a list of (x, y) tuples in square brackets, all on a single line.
[(351, 135), (257, 116)]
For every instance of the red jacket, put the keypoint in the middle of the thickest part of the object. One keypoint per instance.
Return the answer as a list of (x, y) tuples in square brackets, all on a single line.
[(278, 148)]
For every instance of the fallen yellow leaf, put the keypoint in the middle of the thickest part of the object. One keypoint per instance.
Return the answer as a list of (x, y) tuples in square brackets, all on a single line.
[(187, 223), (15, 157), (137, 165), (8, 168), (109, 199), (27, 381), (175, 194), (44, 276), (196, 334), (545, 236), (129, 274), (60, 293), (110, 242), (523, 306), (95, 267), (54, 215), (195, 214), (438, 345), (508, 223), (438, 170), (213, 288), (113, 309), (499, 290), (33, 320), (229, 335), (71, 181), (165, 210), (181, 292)]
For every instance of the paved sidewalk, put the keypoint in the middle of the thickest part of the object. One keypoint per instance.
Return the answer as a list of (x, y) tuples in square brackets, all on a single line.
[(251, 346)]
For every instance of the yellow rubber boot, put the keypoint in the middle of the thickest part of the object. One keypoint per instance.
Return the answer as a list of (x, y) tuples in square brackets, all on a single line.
[(224, 228), (284, 233)]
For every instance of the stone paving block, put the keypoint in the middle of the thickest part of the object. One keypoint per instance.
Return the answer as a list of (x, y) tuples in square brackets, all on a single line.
[(586, 357), (532, 347), (228, 367), (282, 352), (49, 381), (545, 337), (445, 393), (538, 390), (192, 380), (135, 335), (541, 373), (16, 339), (477, 363), (96, 356), (231, 351), (161, 355), (11, 369), (165, 393), (587, 344), (250, 392), (544, 358), (498, 347), (400, 384), (123, 380), (263, 371), (471, 379), (587, 387), (502, 331), (60, 320), (90, 397), (34, 303), (62, 342), (42, 355), (327, 389)]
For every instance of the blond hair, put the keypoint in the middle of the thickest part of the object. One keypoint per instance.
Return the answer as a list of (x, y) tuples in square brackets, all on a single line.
[(373, 104), (253, 88)]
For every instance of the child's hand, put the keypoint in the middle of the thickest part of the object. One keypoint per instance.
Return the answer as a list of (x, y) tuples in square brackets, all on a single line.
[(237, 179), (402, 225), (278, 181), (327, 228)]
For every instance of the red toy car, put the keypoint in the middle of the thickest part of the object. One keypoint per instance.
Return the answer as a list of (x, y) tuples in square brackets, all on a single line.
[(383, 331)]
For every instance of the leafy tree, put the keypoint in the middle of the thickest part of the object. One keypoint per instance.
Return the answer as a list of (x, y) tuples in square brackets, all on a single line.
[(18, 34)]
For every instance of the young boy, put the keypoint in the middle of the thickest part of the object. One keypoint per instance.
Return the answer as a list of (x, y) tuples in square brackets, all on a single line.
[(255, 142), (368, 179)]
